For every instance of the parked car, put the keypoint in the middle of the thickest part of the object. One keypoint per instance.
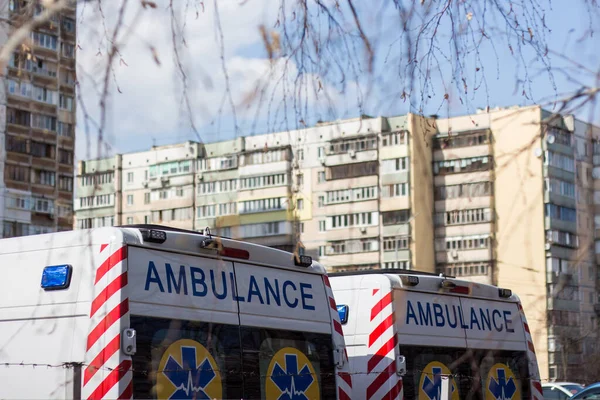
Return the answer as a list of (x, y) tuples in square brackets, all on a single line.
[(560, 390), (591, 392)]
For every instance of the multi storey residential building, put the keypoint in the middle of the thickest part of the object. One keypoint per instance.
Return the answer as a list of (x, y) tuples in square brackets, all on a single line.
[(509, 197), (37, 129)]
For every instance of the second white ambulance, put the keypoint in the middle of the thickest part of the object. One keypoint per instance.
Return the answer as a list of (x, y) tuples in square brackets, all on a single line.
[(412, 335)]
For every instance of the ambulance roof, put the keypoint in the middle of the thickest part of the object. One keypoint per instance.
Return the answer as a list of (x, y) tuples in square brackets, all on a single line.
[(163, 238), (421, 281)]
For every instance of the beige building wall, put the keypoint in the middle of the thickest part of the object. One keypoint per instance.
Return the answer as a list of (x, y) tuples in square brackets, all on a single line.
[(520, 234), (421, 176)]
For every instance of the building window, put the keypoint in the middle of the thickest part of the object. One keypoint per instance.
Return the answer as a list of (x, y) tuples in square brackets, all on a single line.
[(65, 183), (465, 269), (322, 226), (130, 177), (42, 150), (397, 265), (321, 176), (47, 178), (301, 227), (561, 213), (228, 208), (466, 139), (560, 187), (395, 243), (473, 242), (65, 156), (560, 161), (357, 144), (352, 246), (394, 165), (263, 181), (129, 199), (465, 190), (468, 216), (207, 211), (395, 217), (462, 165), (65, 102), (262, 205), (395, 190), (16, 144), (64, 129), (68, 50), (355, 219), (321, 251), (17, 173), (394, 138), (170, 168), (300, 155), (355, 170), (44, 40), (300, 179), (321, 201), (350, 195), (129, 220), (562, 238), (264, 229), (147, 198), (300, 204), (321, 152)]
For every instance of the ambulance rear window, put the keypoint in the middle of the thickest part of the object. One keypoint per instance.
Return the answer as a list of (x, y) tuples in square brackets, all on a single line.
[(477, 374)]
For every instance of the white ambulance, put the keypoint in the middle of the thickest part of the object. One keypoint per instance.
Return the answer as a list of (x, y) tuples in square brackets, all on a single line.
[(412, 335), (149, 312)]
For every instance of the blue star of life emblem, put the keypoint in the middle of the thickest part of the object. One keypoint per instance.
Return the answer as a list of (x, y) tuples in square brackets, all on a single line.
[(191, 378), (289, 381), (433, 388), (502, 389)]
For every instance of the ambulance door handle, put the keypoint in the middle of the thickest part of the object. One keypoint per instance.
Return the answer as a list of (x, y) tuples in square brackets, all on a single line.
[(338, 357), (401, 365)]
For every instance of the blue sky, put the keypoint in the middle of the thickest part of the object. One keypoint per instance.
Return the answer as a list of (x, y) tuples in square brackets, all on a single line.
[(148, 109)]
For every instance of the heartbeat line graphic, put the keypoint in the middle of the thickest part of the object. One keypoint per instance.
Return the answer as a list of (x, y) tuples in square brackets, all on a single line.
[(292, 384), (189, 378)]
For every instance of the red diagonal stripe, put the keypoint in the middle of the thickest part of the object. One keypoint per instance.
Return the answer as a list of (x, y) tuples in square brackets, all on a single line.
[(128, 392), (381, 379), (538, 386), (526, 325), (346, 377), (375, 291), (338, 327), (386, 300), (103, 246), (106, 322), (392, 394), (530, 345), (380, 329), (332, 304), (381, 353), (111, 380), (326, 280), (116, 285), (342, 395), (113, 260), (110, 349)]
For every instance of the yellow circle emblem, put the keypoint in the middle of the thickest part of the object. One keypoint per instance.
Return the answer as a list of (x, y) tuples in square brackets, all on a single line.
[(188, 371), (430, 385), (501, 384), (291, 376)]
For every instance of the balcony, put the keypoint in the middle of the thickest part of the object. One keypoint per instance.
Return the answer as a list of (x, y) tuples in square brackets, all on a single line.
[(562, 305), (352, 156)]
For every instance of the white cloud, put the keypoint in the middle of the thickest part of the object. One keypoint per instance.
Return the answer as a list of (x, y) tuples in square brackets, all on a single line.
[(149, 104)]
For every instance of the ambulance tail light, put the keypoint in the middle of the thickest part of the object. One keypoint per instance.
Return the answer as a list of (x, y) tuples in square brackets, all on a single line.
[(454, 288), (153, 235), (504, 293), (409, 280), (234, 253)]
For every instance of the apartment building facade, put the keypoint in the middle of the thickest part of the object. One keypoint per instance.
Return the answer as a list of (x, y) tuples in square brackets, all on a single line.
[(509, 197), (37, 136)]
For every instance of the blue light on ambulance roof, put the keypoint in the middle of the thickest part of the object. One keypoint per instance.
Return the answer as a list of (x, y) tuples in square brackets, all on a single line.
[(56, 277), (343, 312)]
